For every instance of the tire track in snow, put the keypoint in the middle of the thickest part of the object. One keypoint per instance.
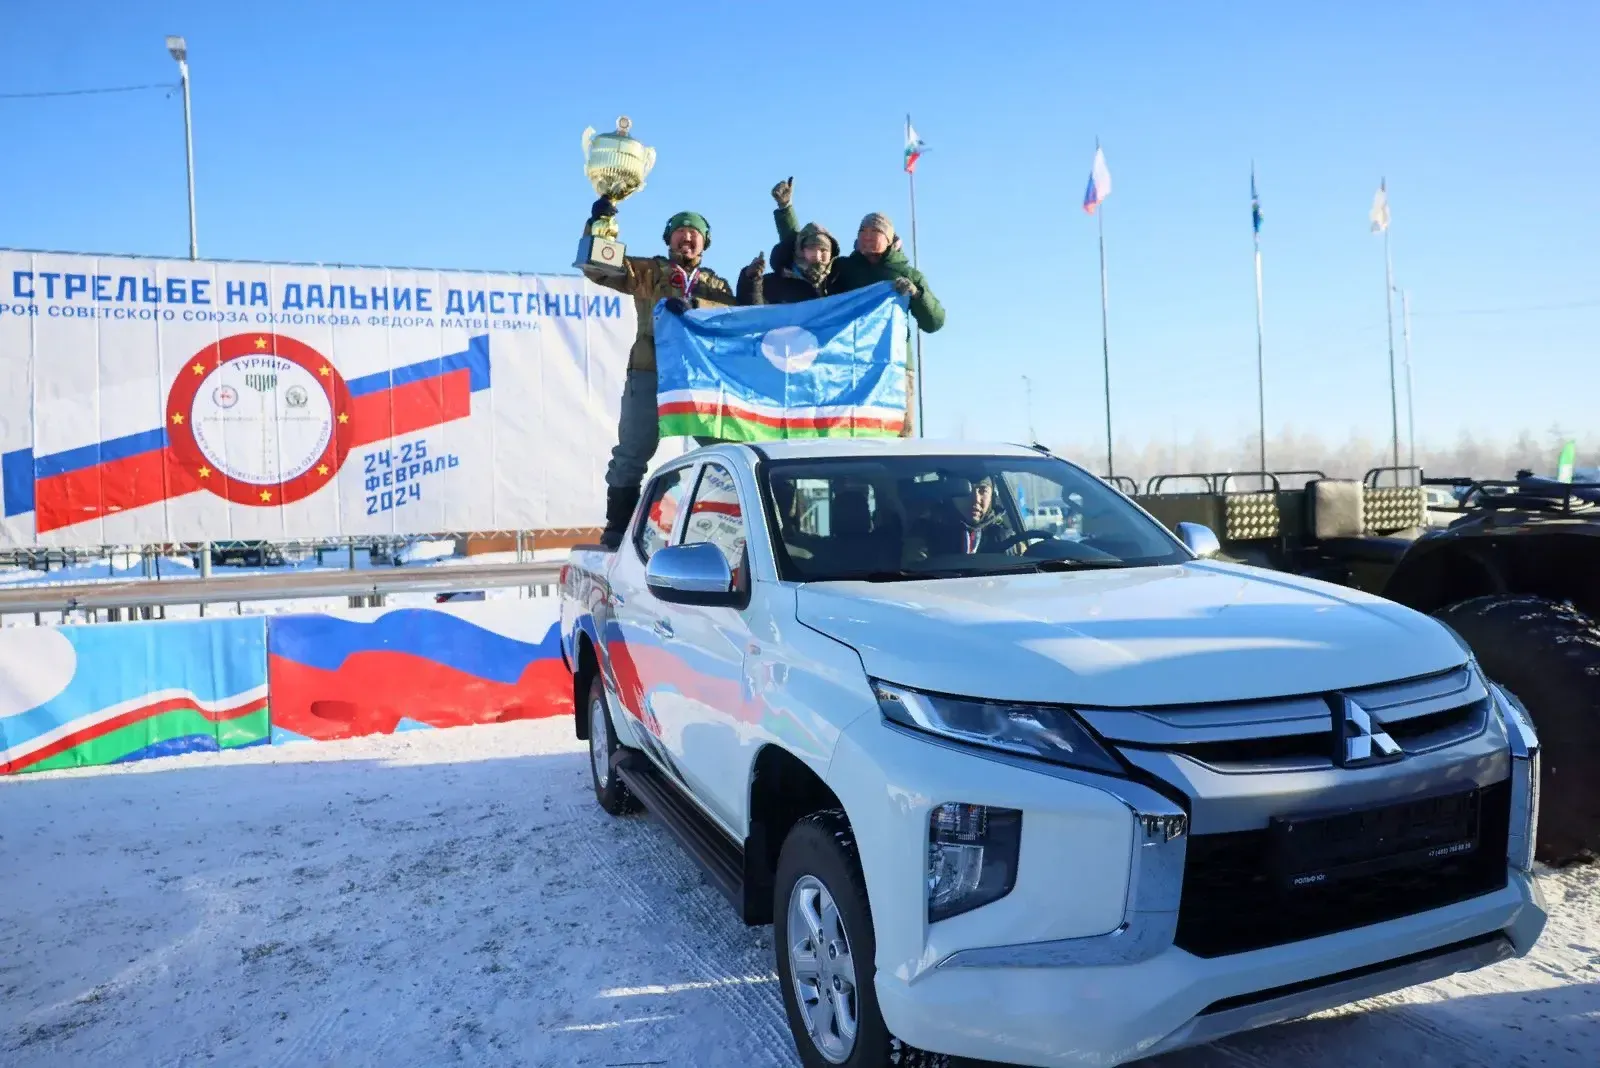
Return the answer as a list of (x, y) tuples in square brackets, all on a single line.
[(302, 1048), (659, 858)]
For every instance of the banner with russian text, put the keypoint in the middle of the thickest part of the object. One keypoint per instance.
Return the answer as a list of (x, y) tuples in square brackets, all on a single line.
[(834, 367), (146, 400)]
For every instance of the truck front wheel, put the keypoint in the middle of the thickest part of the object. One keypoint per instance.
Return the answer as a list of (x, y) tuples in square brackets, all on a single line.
[(609, 788), (822, 934), (1548, 654)]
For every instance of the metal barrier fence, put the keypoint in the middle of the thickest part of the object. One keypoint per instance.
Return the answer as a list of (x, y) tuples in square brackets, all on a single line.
[(145, 599)]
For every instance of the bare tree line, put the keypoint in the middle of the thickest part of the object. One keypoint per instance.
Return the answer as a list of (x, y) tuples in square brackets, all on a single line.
[(1470, 455)]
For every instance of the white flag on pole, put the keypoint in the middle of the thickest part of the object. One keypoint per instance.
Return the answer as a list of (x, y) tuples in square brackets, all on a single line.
[(1380, 208)]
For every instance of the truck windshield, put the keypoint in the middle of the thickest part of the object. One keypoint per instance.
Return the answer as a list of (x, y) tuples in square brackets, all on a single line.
[(886, 518)]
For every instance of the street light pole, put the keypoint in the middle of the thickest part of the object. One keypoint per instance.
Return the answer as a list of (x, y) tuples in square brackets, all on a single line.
[(180, 52)]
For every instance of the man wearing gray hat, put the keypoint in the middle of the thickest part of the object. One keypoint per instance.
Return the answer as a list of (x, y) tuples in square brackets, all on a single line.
[(877, 257)]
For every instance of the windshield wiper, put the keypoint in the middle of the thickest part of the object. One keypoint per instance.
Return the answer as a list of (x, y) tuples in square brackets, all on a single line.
[(1034, 567), (908, 575)]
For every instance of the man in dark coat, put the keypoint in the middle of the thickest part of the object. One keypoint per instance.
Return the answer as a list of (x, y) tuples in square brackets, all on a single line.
[(802, 270), (877, 257), (965, 523)]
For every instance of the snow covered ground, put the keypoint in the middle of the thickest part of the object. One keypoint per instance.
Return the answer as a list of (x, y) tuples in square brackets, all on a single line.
[(456, 897)]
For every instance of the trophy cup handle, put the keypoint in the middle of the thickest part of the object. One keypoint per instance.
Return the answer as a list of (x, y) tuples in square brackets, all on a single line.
[(588, 136), (649, 160)]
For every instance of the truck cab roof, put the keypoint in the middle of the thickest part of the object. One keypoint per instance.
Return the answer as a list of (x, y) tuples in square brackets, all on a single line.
[(832, 448)]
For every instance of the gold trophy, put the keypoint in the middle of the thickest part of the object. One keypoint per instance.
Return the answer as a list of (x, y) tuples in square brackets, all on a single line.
[(616, 165)]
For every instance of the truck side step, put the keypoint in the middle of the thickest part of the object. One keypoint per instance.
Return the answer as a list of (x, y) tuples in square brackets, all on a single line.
[(719, 856)]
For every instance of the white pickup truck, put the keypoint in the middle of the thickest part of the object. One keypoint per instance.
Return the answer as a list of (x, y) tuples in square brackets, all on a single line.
[(1046, 801)]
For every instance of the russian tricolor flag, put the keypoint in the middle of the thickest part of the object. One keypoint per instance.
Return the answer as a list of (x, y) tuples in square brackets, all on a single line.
[(914, 147), (1099, 182)]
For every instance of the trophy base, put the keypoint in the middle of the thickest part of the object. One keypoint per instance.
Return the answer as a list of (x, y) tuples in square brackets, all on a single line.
[(601, 255)]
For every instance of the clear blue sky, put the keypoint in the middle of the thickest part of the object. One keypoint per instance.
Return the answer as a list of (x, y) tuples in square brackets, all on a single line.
[(447, 135)]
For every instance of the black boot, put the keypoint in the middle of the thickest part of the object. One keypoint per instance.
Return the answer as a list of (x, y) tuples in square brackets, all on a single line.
[(620, 504)]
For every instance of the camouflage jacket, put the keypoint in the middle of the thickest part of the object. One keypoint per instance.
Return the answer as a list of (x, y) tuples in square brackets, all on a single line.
[(650, 279)]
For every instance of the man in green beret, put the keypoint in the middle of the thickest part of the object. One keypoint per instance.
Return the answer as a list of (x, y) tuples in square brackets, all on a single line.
[(683, 282)]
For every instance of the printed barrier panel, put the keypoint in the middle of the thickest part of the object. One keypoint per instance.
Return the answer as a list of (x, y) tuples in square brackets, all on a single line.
[(146, 401), (377, 671), (105, 693)]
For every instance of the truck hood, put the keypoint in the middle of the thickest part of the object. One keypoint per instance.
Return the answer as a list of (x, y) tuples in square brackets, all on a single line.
[(1180, 634)]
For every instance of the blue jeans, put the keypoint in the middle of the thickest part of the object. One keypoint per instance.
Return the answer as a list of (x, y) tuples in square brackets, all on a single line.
[(638, 432)]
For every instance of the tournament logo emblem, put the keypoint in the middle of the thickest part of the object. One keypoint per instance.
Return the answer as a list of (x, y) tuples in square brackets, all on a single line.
[(260, 419)]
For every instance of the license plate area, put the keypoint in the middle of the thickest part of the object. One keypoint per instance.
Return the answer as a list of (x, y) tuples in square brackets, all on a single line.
[(1317, 851)]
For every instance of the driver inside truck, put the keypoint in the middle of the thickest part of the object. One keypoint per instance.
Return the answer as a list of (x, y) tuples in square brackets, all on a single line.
[(966, 522)]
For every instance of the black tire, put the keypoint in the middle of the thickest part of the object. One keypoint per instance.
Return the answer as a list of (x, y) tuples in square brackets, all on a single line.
[(609, 788), (1547, 653), (822, 847)]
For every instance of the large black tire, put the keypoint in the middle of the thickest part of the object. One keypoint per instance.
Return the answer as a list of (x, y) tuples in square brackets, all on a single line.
[(1547, 653), (821, 847), (609, 788)]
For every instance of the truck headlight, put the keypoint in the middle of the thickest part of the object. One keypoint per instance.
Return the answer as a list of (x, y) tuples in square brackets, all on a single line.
[(972, 857), (1040, 731)]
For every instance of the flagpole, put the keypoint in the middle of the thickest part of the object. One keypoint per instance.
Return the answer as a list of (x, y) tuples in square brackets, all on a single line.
[(1411, 411), (1261, 377), (1388, 300), (1105, 339), (911, 182)]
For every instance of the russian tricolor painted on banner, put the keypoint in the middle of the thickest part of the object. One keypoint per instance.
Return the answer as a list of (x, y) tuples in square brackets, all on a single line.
[(389, 670), (120, 474)]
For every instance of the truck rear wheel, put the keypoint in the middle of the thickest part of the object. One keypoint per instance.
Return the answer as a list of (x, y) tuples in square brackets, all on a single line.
[(1548, 654), (609, 788)]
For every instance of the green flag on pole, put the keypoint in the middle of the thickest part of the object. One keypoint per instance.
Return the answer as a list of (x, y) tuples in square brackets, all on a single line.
[(1569, 454)]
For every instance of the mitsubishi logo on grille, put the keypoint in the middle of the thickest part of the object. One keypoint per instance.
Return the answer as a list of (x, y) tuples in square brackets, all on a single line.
[(1359, 741)]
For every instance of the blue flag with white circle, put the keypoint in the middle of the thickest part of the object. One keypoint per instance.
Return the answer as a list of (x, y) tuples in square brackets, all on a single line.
[(831, 367)]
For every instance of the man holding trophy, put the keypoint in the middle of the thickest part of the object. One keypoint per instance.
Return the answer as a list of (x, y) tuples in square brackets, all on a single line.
[(616, 165)]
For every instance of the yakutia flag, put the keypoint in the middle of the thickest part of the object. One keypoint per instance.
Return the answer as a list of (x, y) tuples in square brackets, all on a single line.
[(832, 367), (914, 147), (1099, 182)]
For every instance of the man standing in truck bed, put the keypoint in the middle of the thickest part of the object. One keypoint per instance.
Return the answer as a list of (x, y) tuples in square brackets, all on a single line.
[(877, 257), (684, 282)]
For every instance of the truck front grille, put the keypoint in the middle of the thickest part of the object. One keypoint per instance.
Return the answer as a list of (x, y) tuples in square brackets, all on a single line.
[(1234, 902)]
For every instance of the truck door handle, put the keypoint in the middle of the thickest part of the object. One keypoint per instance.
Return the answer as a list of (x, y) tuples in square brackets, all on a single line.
[(663, 628)]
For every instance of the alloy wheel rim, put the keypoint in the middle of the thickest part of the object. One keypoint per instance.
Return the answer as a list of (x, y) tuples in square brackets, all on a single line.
[(822, 970)]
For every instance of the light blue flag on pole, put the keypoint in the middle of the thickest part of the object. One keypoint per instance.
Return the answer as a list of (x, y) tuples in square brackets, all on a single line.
[(831, 367)]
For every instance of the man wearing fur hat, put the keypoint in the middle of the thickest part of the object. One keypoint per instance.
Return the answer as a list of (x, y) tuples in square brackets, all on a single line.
[(877, 257), (801, 270), (683, 282)]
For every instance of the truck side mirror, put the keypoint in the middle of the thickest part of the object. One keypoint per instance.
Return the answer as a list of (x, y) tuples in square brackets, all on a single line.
[(692, 574), (1200, 539)]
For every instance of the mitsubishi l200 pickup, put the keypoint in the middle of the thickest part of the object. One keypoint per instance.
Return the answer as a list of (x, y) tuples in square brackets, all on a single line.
[(1013, 795)]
